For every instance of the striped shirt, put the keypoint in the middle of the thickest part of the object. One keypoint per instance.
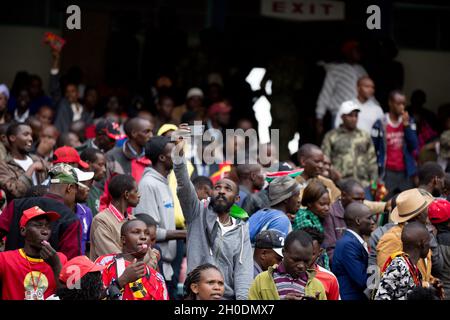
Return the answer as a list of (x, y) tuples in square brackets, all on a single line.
[(285, 283), (339, 86)]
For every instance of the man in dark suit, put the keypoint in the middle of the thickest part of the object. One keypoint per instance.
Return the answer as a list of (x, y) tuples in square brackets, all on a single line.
[(351, 253)]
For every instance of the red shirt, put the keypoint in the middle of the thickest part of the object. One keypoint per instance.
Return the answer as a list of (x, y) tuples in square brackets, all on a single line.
[(19, 273), (329, 282), (150, 287), (394, 146)]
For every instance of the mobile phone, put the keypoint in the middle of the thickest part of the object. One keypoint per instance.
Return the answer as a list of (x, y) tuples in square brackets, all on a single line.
[(197, 130)]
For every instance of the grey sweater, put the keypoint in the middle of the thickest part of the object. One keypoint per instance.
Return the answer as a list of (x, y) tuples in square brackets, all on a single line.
[(231, 252), (157, 201)]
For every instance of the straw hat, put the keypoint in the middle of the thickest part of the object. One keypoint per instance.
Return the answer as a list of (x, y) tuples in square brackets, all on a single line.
[(410, 203)]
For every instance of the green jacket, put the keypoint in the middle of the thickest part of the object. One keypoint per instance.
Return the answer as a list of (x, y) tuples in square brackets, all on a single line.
[(264, 288)]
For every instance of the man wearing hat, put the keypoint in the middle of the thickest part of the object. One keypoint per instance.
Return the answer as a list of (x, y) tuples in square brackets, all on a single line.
[(31, 272), (439, 215), (412, 205), (130, 157), (66, 232), (107, 133), (70, 156), (158, 202), (350, 149), (218, 116), (284, 198), (370, 110), (194, 102), (268, 250)]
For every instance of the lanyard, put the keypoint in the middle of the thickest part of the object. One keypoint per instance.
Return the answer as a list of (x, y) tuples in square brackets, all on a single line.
[(414, 271), (35, 285)]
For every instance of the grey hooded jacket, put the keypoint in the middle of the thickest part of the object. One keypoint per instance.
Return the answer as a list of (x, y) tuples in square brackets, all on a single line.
[(231, 253)]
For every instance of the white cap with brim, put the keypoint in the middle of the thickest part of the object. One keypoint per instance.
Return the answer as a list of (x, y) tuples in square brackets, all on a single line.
[(194, 92), (83, 176), (279, 251), (348, 107)]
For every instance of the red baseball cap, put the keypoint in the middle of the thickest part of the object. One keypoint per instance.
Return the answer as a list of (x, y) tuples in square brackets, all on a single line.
[(68, 154), (34, 212), (109, 128), (219, 107), (78, 267), (439, 211)]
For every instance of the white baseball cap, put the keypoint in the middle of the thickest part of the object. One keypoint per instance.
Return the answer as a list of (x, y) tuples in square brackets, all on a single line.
[(83, 176), (194, 92), (348, 107)]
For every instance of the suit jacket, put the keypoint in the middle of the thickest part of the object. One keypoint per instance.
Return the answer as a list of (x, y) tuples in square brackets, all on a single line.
[(350, 267)]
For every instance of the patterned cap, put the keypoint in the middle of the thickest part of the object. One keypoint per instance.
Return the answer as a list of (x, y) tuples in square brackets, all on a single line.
[(63, 173), (282, 188), (270, 239)]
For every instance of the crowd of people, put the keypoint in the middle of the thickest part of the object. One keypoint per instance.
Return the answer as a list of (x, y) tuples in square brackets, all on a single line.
[(118, 204)]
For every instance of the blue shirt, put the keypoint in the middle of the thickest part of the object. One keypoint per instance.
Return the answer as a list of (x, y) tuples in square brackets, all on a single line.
[(85, 215)]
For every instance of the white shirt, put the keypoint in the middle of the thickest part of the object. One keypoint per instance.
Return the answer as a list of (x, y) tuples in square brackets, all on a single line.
[(77, 111), (25, 165), (361, 240), (23, 117), (228, 228), (370, 113)]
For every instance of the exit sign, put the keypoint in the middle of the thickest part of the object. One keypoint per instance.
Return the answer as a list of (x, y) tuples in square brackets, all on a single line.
[(312, 10)]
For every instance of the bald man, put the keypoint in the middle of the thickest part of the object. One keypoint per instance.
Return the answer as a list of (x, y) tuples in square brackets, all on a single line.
[(251, 178), (351, 254), (400, 274), (311, 159), (213, 235)]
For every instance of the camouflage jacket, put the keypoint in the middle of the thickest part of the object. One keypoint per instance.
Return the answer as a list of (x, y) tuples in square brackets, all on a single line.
[(352, 153)]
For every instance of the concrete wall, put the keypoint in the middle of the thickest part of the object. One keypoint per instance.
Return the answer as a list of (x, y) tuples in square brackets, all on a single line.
[(429, 71), (22, 49)]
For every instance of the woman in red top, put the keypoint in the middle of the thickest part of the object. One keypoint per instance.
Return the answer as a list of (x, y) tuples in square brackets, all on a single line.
[(126, 276)]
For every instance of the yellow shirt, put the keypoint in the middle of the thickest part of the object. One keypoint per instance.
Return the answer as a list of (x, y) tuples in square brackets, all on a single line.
[(179, 218)]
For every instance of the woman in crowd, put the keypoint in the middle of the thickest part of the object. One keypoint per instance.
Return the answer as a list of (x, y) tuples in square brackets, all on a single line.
[(204, 283)]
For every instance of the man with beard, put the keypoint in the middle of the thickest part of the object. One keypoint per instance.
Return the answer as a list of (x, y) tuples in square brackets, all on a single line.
[(19, 171), (431, 178), (213, 235)]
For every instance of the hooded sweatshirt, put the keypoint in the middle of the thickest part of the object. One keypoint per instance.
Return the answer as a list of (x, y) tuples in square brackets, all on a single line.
[(157, 201), (230, 252)]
